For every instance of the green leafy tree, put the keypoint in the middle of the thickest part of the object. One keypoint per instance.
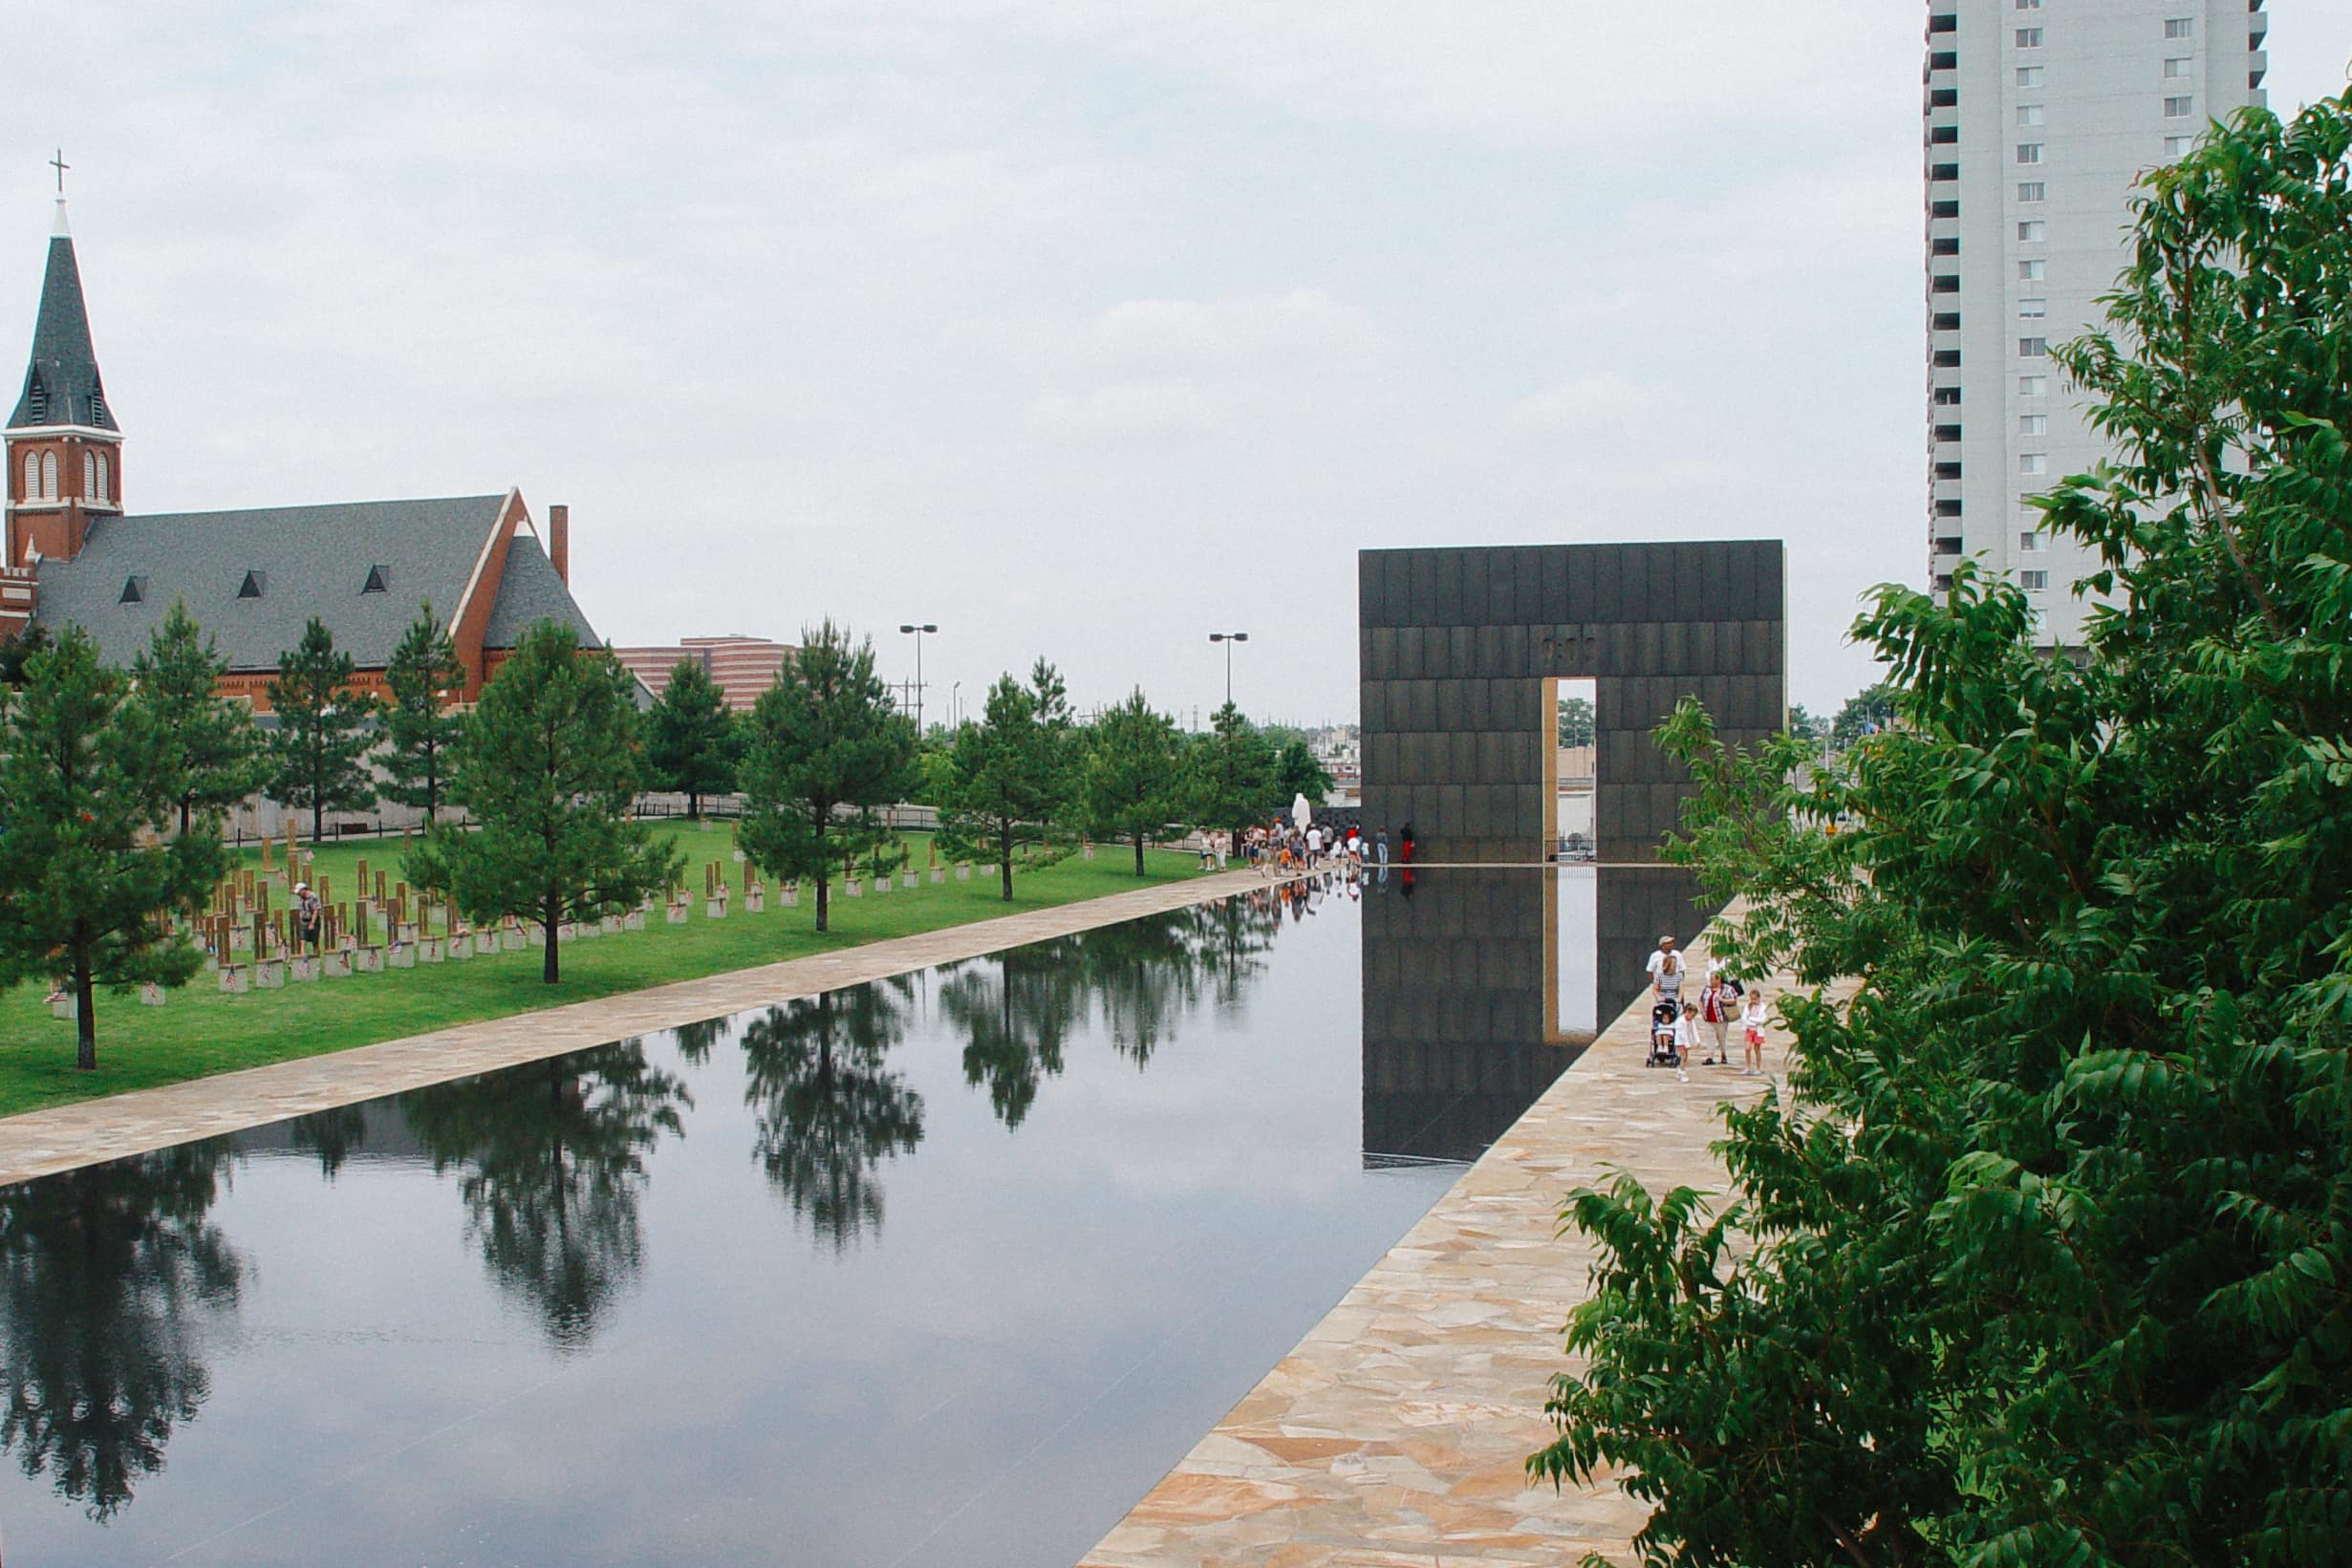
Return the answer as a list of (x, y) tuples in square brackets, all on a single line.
[(1865, 713), (1229, 774), (1578, 723), (18, 651), (547, 766), (1805, 726), (826, 748), (420, 730), (319, 751), (1012, 779), (2045, 1258), (1298, 772), (692, 744), (1132, 784), (86, 884), (209, 743)]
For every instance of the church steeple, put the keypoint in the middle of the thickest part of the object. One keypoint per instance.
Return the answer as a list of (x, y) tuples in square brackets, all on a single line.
[(64, 449)]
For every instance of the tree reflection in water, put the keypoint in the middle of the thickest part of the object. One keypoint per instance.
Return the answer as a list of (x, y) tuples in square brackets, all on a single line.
[(1018, 1009), (695, 1039), (829, 1111), (111, 1279), (553, 1162)]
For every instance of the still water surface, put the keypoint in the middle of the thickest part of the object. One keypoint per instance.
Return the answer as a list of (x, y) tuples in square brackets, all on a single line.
[(944, 1270)]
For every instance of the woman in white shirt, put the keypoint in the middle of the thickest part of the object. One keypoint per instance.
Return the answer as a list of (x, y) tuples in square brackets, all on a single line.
[(1751, 1032)]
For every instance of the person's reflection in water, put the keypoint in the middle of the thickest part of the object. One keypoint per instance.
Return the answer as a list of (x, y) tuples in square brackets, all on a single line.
[(553, 1163), (829, 1112), (111, 1278)]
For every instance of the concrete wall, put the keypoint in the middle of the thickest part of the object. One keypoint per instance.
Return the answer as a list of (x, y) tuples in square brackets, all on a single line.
[(1457, 645)]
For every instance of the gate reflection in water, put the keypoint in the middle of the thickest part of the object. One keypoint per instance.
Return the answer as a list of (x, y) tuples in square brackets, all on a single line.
[(1482, 984)]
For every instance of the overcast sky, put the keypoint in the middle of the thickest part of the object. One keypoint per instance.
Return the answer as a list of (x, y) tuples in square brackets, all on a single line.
[(1079, 330)]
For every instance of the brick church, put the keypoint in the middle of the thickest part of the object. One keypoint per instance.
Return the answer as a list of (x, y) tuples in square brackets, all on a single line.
[(253, 579)]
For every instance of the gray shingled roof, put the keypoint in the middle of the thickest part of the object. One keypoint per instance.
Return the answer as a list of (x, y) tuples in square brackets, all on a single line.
[(64, 368), (530, 592), (315, 561)]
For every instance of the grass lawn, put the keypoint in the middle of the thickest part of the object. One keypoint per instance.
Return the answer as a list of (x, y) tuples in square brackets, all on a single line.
[(201, 1031)]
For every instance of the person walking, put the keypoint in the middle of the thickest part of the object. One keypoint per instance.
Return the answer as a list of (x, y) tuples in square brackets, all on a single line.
[(1716, 1004), (1666, 970), (308, 913), (1686, 1039), (1752, 1033)]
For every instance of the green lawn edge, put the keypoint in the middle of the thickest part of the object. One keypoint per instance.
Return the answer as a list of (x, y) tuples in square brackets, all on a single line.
[(201, 1032)]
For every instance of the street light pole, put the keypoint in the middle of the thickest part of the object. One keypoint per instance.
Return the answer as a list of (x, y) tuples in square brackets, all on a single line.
[(1229, 638), (955, 706), (919, 632)]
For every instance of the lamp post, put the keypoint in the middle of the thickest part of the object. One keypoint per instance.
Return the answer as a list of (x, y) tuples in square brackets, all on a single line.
[(955, 706), (1229, 638), (919, 632)]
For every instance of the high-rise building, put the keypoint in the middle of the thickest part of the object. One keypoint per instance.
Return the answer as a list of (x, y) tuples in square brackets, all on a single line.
[(2040, 116)]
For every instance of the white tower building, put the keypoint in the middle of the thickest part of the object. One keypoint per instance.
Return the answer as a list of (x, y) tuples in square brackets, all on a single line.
[(2040, 115)]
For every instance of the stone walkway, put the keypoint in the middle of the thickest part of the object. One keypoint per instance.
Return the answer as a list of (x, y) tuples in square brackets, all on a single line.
[(1394, 1434), (62, 1137)]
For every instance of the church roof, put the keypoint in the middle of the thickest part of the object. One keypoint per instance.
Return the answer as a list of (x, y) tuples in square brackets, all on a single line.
[(61, 383), (252, 579)]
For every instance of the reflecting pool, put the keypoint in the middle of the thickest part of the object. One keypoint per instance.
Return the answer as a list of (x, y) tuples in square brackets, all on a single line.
[(943, 1270)]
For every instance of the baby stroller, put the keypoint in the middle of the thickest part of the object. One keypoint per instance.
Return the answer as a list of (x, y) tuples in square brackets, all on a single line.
[(1662, 1052)]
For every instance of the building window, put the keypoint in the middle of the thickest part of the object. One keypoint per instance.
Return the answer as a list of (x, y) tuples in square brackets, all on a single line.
[(2034, 579), (1947, 359), (1944, 283), (2033, 424), (2029, 37), (1943, 171), (1943, 135), (49, 476), (2033, 462), (2033, 271), (1947, 470), (2029, 4), (1944, 321), (1948, 244), (89, 475), (106, 480), (1947, 397), (2033, 231), (2180, 26), (253, 585), (1942, 209), (1948, 506), (1943, 98), (379, 580), (2029, 152), (2176, 67), (1946, 433), (2029, 541), (2033, 347), (2028, 113), (133, 590), (2030, 190), (2033, 308), (2177, 146), (33, 476), (2033, 386), (2029, 75), (2179, 108)]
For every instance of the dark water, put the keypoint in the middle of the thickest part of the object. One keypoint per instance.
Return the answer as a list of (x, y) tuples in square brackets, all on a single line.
[(945, 1270)]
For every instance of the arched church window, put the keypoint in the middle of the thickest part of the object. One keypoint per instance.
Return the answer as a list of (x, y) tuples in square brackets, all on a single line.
[(89, 476), (49, 476), (106, 480), (33, 476)]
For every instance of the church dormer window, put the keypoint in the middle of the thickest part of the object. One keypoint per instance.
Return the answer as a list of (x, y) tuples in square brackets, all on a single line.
[(253, 585), (379, 580), (97, 407), (36, 399), (133, 588), (49, 476)]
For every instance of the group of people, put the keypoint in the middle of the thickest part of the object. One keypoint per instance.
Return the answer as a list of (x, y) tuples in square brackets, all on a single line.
[(1280, 846), (1721, 1001)]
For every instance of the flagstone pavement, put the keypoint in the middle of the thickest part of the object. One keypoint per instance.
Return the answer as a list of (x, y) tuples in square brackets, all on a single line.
[(1394, 1435), (62, 1137)]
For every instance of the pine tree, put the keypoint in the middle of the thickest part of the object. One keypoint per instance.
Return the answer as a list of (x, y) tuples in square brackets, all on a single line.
[(86, 883), (318, 752), (692, 744), (209, 743), (823, 740), (1010, 779), (426, 677), (1132, 784), (1229, 774), (1297, 772), (547, 768)]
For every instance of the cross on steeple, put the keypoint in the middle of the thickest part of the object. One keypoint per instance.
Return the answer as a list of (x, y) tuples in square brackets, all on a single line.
[(60, 164)]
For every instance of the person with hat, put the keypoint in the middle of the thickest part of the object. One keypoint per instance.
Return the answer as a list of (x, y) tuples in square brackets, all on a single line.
[(1666, 969), (306, 915)]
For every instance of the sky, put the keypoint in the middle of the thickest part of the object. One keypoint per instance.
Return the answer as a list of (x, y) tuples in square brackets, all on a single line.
[(1081, 331)]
